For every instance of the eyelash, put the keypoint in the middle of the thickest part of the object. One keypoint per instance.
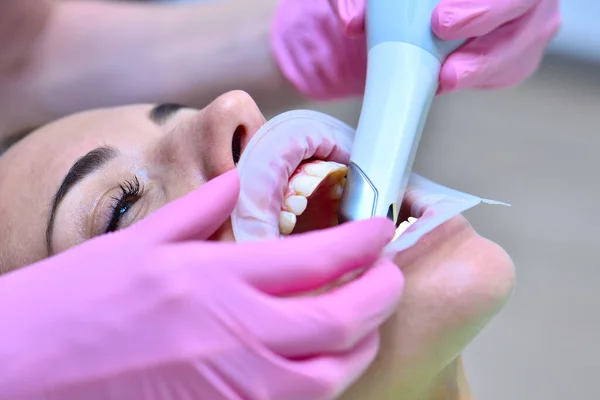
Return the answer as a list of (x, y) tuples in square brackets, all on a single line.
[(131, 192)]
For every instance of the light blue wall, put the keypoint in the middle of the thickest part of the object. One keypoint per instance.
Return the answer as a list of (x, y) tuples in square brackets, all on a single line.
[(580, 34)]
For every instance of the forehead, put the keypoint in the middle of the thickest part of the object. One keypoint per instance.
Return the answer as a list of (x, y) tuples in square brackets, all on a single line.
[(32, 170)]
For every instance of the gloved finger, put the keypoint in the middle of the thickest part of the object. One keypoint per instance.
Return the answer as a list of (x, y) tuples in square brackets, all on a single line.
[(351, 14), (463, 19), (338, 319), (197, 215), (308, 261), (331, 375), (504, 57)]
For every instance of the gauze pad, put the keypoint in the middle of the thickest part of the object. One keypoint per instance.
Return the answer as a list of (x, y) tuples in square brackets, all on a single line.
[(276, 150)]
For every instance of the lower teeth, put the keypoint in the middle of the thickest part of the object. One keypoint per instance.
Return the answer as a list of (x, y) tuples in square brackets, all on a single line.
[(404, 226)]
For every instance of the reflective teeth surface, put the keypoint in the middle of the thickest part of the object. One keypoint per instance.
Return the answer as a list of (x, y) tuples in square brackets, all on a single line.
[(296, 204), (287, 222), (303, 184)]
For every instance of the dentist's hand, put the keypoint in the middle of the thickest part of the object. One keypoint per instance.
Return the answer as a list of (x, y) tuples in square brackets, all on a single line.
[(506, 43), (507, 38), (155, 311)]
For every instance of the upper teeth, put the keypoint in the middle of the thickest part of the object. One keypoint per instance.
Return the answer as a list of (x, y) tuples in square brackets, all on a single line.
[(336, 191), (296, 204), (287, 221), (304, 184), (324, 168)]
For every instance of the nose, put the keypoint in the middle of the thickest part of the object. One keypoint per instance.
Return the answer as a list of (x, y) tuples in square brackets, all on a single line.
[(210, 143), (215, 137), (227, 126)]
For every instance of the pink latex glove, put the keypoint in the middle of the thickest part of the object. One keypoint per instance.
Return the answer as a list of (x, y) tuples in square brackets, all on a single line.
[(154, 312), (323, 54)]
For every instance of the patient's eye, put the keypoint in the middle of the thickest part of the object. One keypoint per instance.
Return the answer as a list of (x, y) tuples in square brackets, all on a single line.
[(131, 192)]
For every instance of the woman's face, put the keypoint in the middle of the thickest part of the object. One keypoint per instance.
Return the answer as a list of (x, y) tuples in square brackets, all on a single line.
[(103, 170)]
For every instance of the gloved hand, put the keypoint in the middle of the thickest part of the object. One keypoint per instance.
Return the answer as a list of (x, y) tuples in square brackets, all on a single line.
[(153, 312), (506, 45)]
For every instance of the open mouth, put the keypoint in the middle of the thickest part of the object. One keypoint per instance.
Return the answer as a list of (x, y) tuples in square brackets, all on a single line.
[(312, 198), (292, 175)]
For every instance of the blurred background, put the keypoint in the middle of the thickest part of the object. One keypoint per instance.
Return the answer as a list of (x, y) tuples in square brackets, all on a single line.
[(535, 147)]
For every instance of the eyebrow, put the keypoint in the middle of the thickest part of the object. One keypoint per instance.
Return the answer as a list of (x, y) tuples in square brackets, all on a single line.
[(162, 112), (81, 168)]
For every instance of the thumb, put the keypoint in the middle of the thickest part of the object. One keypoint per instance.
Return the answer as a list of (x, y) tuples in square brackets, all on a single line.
[(197, 215), (351, 14)]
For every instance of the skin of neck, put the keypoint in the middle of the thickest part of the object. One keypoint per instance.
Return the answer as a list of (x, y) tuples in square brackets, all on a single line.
[(451, 384)]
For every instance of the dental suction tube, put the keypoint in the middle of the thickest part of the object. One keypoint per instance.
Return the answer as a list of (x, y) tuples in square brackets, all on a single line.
[(404, 61)]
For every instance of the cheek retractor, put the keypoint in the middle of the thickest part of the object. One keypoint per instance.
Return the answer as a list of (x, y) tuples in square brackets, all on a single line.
[(404, 61), (278, 148), (271, 158)]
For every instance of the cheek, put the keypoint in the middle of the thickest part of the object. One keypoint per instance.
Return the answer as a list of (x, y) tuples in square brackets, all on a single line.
[(224, 233), (452, 288), (451, 292), (457, 284), (71, 225), (467, 282)]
